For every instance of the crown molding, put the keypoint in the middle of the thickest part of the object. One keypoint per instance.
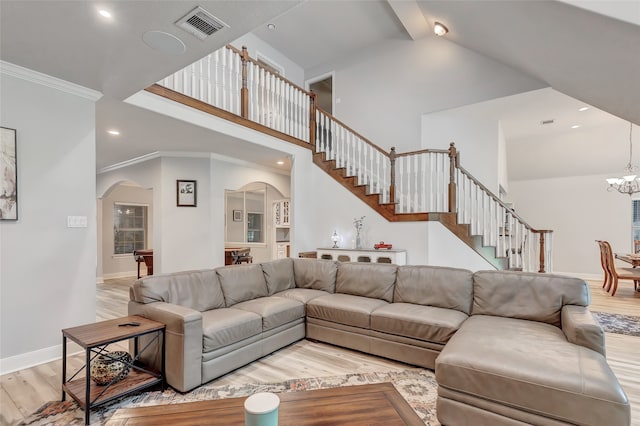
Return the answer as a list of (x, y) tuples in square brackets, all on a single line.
[(131, 162), (186, 154), (46, 80)]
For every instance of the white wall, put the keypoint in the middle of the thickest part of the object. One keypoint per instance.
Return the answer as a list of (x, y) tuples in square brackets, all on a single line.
[(184, 234), (383, 91), (47, 271), (580, 210), (475, 131), (115, 266)]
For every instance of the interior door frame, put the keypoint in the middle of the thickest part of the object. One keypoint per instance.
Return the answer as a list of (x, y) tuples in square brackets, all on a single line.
[(320, 77)]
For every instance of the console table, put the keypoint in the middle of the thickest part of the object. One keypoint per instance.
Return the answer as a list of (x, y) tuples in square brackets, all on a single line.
[(395, 256)]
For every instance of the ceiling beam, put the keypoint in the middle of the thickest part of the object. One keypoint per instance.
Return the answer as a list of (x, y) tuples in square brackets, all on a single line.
[(411, 17)]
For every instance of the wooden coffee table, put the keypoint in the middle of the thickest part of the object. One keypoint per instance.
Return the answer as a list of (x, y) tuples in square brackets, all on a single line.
[(378, 404)]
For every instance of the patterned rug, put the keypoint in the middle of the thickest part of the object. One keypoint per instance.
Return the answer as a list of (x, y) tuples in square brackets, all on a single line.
[(618, 323), (417, 386)]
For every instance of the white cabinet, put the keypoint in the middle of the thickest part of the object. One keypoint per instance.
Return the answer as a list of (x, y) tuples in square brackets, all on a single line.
[(281, 228), (282, 213), (395, 256)]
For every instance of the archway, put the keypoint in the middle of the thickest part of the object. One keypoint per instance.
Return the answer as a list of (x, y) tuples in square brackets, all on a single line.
[(125, 223)]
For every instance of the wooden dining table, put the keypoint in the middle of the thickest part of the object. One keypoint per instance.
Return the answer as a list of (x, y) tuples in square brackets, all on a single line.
[(634, 260)]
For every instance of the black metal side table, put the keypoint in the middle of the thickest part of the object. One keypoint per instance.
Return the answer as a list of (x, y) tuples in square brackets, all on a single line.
[(94, 339)]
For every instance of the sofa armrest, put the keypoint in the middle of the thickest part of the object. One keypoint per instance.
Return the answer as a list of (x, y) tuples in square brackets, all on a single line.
[(183, 347), (581, 328)]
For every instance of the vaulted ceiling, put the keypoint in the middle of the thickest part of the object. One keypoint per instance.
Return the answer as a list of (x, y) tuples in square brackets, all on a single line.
[(590, 56)]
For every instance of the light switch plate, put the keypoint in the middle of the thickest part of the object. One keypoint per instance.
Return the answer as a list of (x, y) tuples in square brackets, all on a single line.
[(76, 221)]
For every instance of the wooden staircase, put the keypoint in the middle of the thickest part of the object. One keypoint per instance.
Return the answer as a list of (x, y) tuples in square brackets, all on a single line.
[(388, 211), (424, 185)]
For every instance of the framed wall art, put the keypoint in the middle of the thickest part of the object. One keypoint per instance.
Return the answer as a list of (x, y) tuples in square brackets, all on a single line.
[(8, 175), (237, 215), (186, 193)]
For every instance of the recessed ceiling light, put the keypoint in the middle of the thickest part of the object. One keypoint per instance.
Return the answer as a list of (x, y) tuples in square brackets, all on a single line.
[(280, 163), (575, 126), (271, 26), (104, 13), (440, 29), (113, 132), (583, 109)]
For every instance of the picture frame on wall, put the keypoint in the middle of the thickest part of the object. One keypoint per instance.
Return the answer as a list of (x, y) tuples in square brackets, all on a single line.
[(8, 174), (186, 193), (237, 215)]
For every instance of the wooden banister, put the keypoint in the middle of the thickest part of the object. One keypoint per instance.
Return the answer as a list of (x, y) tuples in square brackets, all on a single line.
[(365, 140)]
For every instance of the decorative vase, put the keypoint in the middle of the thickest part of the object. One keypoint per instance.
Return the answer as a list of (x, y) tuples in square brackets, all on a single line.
[(112, 368)]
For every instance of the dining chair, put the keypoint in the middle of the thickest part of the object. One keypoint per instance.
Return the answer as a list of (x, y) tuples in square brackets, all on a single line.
[(616, 274), (603, 261)]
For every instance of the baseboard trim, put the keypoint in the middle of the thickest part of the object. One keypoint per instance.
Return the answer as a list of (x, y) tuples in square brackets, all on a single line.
[(125, 274), (592, 277), (31, 359)]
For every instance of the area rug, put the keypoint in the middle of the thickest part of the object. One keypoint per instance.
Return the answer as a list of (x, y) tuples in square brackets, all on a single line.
[(618, 323), (417, 386)]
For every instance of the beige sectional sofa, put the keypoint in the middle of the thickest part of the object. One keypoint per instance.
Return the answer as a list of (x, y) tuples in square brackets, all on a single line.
[(508, 348)]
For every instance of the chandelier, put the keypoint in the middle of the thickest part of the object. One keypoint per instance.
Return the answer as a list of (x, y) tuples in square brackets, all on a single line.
[(629, 183)]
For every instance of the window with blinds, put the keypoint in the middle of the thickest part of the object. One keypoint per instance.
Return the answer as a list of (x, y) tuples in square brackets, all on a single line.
[(129, 228)]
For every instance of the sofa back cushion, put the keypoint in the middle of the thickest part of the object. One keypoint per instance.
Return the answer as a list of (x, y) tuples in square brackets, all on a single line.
[(242, 282), (531, 296), (441, 287), (367, 279), (279, 275), (317, 274), (199, 290)]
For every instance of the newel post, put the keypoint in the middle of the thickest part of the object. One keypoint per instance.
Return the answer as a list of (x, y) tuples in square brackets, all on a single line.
[(312, 120), (244, 91), (392, 187), (453, 159), (542, 266)]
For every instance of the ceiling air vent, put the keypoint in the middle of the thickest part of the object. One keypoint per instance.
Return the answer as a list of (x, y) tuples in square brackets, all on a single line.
[(200, 23), (550, 121)]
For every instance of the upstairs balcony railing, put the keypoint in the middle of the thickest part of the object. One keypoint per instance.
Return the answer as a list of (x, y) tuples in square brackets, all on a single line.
[(429, 180)]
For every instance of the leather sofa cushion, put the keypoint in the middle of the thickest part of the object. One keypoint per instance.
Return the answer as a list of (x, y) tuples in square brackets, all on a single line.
[(222, 327), (317, 274), (241, 282), (199, 290), (426, 323), (344, 309), (303, 295), (275, 311), (530, 365), (368, 280), (530, 296), (448, 288), (279, 275)]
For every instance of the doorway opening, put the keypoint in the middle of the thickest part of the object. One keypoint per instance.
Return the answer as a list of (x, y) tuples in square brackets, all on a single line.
[(322, 86)]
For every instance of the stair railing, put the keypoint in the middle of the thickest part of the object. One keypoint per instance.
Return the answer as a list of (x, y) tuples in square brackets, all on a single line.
[(355, 154), (429, 180), (498, 224)]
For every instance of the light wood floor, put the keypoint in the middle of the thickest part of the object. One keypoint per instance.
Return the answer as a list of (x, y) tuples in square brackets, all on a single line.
[(24, 391)]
